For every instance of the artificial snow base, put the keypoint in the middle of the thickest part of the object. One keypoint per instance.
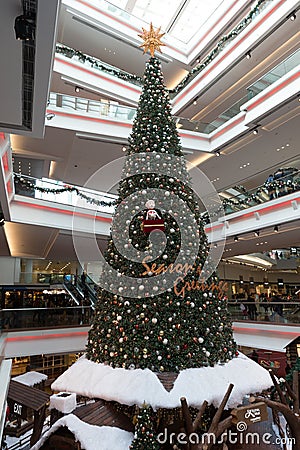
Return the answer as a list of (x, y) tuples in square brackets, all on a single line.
[(31, 378), (63, 402), (134, 387), (91, 437)]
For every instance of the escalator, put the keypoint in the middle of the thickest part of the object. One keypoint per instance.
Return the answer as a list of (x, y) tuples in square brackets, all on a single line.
[(76, 294), (82, 292), (89, 290)]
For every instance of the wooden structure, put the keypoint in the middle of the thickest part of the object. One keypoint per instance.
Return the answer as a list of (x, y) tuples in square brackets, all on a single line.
[(98, 413), (102, 413), (27, 406), (286, 400), (293, 351)]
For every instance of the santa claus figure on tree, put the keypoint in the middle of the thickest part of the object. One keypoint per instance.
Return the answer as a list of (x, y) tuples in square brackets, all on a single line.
[(161, 334)]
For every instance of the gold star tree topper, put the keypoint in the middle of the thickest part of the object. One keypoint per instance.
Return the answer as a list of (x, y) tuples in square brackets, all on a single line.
[(152, 40)]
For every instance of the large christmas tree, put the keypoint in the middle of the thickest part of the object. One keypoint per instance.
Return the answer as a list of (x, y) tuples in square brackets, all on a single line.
[(161, 333), (159, 307)]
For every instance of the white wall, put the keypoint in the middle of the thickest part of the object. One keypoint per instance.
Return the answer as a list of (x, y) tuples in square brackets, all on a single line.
[(9, 270)]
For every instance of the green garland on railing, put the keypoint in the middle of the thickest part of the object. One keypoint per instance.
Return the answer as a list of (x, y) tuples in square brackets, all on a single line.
[(282, 187), (220, 45), (97, 63), (22, 183), (70, 53)]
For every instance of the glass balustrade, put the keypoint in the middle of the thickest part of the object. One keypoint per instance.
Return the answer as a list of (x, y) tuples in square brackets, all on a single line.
[(59, 192), (108, 109), (30, 318), (274, 74), (275, 312), (27, 318)]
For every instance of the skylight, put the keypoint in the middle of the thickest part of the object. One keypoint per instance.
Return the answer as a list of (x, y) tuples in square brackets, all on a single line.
[(181, 19)]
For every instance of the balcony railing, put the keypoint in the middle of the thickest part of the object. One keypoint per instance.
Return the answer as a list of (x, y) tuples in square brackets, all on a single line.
[(274, 312), (59, 192), (30, 318), (66, 194), (107, 109), (282, 185), (98, 64), (113, 110), (274, 74)]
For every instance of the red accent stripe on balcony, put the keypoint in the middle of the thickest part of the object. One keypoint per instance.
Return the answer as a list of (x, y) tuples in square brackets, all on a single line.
[(280, 205), (46, 336), (91, 72), (92, 119), (64, 211), (228, 127), (273, 91)]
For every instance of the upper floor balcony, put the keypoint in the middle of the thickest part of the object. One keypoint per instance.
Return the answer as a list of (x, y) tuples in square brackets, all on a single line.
[(108, 119)]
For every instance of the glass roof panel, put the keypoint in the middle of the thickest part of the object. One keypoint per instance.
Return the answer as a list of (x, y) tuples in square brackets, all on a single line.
[(193, 17), (182, 19)]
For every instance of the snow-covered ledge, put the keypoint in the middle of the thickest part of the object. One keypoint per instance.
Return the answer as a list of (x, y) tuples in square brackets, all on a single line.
[(137, 386), (90, 437)]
